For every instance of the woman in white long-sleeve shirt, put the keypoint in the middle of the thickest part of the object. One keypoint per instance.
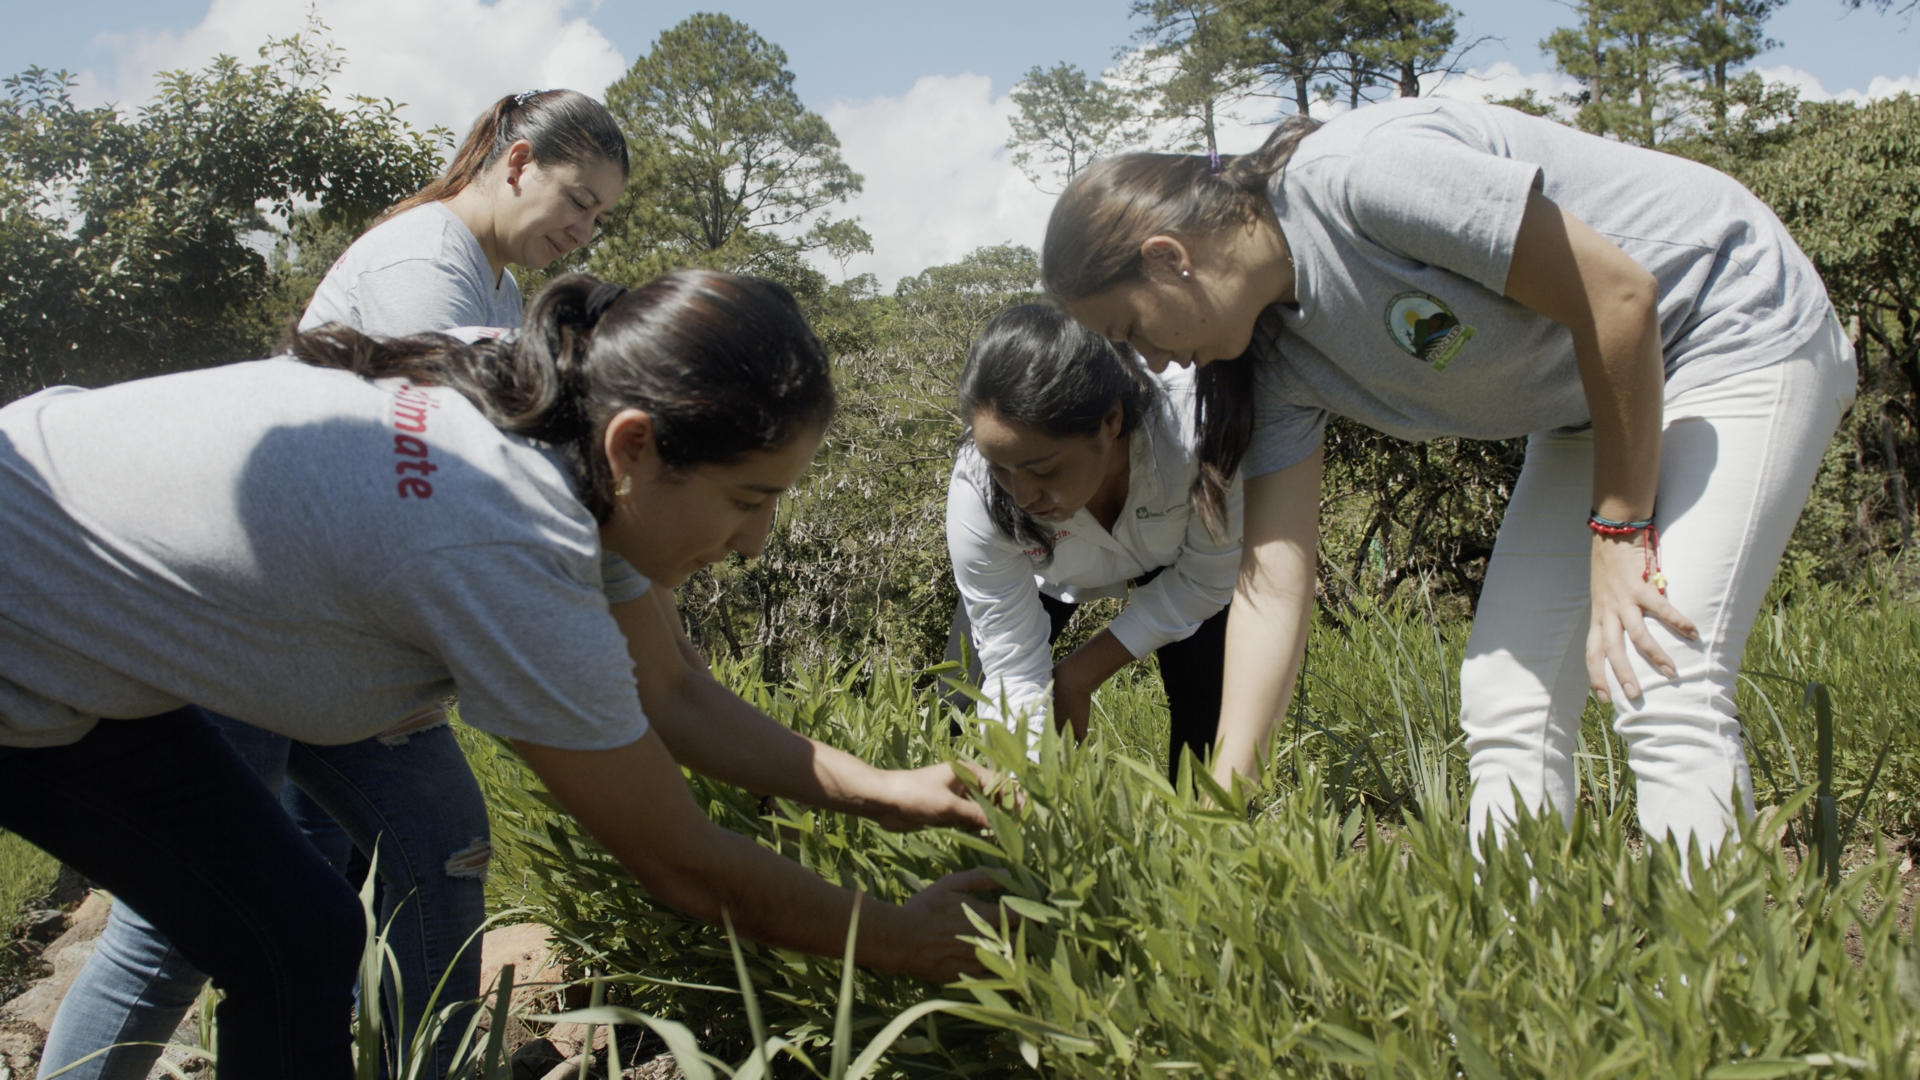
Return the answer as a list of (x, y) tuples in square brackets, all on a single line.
[(1081, 477)]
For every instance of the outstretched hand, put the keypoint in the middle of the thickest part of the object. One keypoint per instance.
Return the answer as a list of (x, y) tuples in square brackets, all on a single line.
[(938, 918), (937, 794), (1623, 598)]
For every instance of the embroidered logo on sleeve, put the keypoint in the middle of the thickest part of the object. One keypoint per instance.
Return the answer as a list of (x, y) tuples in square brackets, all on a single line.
[(1426, 329)]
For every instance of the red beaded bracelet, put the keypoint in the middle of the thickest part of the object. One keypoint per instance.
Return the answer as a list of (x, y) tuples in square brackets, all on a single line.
[(1650, 571)]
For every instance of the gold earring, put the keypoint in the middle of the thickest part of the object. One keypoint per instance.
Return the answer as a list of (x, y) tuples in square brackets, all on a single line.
[(626, 487)]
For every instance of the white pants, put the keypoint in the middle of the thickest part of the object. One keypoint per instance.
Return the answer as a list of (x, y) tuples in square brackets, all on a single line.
[(1737, 461)]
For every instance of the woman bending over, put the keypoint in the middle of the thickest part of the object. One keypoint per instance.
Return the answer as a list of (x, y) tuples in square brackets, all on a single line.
[(325, 543), (1080, 477), (1434, 268)]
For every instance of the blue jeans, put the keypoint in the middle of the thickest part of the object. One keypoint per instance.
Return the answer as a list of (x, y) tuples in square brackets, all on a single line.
[(412, 794), (163, 813)]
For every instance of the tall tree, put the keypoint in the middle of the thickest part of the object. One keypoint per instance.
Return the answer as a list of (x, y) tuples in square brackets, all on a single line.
[(731, 168), (1390, 45), (1628, 57), (1721, 36), (132, 244), (1650, 67), (1417, 38), (1063, 120), (1293, 43), (1196, 54)]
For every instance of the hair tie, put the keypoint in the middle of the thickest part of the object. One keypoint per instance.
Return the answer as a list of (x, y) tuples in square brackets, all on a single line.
[(520, 99), (1213, 160)]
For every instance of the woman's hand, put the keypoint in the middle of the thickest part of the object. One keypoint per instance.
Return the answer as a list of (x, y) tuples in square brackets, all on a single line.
[(1622, 599), (939, 794), (1072, 707), (936, 917), (1079, 674)]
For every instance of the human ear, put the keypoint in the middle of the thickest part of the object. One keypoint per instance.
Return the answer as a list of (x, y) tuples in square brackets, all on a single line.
[(516, 159), (1110, 423), (628, 443), (1165, 254)]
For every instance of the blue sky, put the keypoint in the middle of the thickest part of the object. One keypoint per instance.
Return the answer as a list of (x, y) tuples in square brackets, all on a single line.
[(916, 91), (852, 49)]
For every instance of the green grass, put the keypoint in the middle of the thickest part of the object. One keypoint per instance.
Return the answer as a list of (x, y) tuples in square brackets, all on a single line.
[(1342, 927), (26, 875)]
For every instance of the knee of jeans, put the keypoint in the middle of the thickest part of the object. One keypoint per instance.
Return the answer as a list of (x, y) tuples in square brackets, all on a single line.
[(471, 861), (316, 954), (339, 934)]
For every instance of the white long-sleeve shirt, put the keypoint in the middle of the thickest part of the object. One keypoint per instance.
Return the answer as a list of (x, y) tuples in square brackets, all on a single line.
[(1000, 581)]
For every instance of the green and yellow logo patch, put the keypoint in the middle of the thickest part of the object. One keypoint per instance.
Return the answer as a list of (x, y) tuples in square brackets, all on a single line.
[(1426, 328)]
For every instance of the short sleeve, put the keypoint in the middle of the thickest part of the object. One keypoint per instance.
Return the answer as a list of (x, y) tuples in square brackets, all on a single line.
[(1421, 192), (527, 638), (619, 580), (1285, 431), (415, 295)]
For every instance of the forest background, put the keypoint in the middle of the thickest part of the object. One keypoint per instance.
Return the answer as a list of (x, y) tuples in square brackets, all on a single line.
[(190, 230)]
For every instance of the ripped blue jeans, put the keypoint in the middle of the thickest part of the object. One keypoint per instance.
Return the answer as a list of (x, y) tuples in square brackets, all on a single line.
[(411, 792)]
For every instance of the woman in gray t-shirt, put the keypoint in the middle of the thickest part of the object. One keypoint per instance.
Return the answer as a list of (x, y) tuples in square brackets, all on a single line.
[(530, 182), (360, 528), (1440, 268)]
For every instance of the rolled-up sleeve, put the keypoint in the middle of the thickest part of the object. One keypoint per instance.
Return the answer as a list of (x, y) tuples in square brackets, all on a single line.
[(1002, 602), (1425, 194), (1191, 590)]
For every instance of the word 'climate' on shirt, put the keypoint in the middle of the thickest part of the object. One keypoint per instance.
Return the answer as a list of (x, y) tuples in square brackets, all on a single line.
[(410, 407)]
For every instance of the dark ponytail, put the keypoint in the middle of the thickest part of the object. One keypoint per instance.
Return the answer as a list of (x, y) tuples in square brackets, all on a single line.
[(1034, 365), (1093, 244), (563, 127), (724, 364)]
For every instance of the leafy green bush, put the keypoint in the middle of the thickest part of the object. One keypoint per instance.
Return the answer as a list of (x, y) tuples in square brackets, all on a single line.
[(1341, 928)]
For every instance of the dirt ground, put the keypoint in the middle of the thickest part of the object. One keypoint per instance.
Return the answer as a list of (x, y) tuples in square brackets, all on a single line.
[(55, 947)]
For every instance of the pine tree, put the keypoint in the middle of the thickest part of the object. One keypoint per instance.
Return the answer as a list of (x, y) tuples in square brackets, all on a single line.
[(1652, 68), (730, 168), (1064, 121), (1197, 55)]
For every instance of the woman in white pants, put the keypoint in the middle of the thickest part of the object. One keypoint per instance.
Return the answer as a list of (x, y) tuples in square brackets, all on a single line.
[(1437, 268)]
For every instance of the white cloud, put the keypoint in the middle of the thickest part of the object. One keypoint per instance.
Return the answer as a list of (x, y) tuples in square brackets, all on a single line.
[(939, 180), (446, 59), (1501, 80), (1880, 86)]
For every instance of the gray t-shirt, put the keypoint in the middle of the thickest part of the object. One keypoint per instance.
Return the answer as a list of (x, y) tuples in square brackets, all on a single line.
[(1402, 218), (304, 550), (417, 271)]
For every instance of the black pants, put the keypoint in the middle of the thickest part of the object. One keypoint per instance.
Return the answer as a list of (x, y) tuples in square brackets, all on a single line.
[(163, 814), (1190, 672)]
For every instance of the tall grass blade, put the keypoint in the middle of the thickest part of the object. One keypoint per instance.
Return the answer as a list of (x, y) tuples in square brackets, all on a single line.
[(493, 1061), (756, 1023), (843, 1013), (1825, 816)]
